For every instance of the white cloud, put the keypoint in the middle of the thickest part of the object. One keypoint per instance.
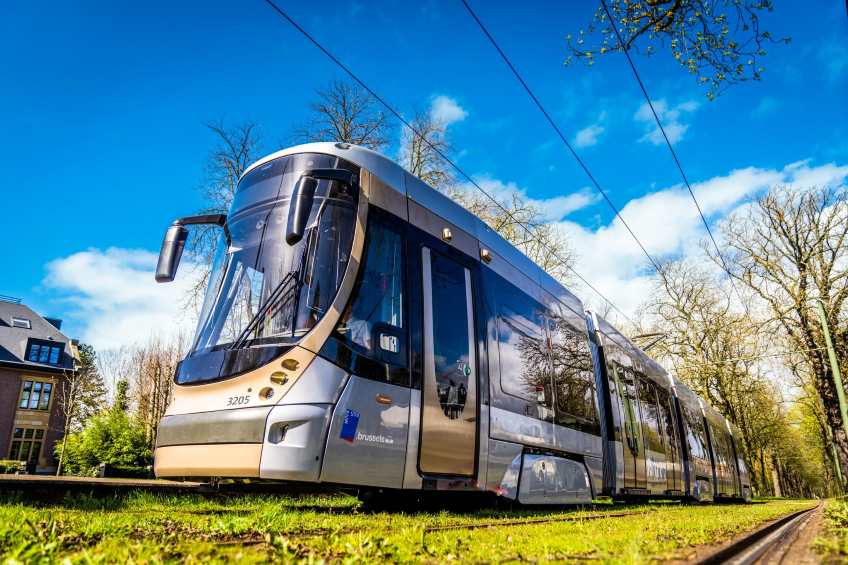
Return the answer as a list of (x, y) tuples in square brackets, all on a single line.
[(588, 136), (552, 209), (668, 225), (671, 119), (446, 111), (115, 298)]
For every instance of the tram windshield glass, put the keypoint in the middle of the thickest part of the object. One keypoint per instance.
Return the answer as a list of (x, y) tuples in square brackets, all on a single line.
[(262, 290)]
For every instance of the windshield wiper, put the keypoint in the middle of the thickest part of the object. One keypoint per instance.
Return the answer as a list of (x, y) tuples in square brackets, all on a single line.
[(279, 298)]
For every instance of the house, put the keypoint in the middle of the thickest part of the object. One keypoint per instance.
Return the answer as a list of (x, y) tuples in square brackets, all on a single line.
[(35, 359)]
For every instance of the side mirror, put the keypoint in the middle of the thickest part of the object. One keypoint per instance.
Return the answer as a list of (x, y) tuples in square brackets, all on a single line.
[(304, 195), (171, 252), (301, 205)]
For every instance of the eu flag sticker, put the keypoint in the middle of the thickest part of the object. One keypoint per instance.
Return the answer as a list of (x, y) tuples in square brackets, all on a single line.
[(351, 421)]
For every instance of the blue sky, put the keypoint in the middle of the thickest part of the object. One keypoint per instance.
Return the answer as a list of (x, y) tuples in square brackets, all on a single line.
[(103, 144)]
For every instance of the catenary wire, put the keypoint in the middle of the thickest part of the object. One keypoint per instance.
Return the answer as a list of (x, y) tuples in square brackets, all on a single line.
[(562, 137), (441, 154), (673, 152)]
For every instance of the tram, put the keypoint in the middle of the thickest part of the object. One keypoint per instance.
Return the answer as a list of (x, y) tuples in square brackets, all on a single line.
[(362, 329)]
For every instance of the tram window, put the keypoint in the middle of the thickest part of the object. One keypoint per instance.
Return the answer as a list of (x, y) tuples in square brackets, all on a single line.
[(667, 421), (525, 367), (722, 448), (695, 433), (374, 322), (453, 359), (574, 379), (628, 388), (650, 416)]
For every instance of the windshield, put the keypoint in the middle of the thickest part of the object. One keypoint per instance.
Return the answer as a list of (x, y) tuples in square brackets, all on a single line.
[(258, 264)]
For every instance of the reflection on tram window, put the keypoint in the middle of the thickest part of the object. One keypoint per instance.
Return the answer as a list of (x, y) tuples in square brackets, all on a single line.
[(573, 374), (257, 271), (525, 367), (450, 335), (378, 294), (650, 416), (695, 433)]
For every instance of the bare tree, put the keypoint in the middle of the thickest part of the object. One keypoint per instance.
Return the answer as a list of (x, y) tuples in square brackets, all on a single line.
[(791, 248), (236, 149), (720, 42), (113, 365), (719, 351), (523, 225), (82, 395), (419, 152), (153, 366), (346, 113)]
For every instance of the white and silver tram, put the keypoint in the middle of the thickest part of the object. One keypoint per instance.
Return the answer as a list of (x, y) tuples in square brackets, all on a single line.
[(362, 329)]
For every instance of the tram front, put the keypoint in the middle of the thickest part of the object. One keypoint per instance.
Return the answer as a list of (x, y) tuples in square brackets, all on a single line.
[(285, 267)]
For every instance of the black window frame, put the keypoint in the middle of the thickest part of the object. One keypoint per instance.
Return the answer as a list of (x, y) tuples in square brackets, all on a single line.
[(40, 386), (355, 359), (33, 438), (38, 346)]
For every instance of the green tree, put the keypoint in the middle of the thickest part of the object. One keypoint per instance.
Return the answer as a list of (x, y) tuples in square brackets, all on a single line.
[(111, 437), (83, 393), (720, 42)]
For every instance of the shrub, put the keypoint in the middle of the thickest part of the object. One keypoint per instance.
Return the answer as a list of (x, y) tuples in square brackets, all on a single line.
[(111, 437), (8, 467)]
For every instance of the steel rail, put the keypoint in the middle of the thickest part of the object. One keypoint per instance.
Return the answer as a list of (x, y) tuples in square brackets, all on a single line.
[(751, 547)]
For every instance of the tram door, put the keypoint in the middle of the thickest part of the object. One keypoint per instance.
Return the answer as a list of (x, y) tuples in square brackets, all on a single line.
[(634, 446), (674, 479), (449, 391)]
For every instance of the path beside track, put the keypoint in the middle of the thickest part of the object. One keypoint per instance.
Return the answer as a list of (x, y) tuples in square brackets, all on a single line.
[(787, 540)]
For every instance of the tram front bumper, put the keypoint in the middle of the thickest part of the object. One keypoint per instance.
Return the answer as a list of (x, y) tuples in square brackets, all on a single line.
[(274, 442), (222, 443), (212, 460)]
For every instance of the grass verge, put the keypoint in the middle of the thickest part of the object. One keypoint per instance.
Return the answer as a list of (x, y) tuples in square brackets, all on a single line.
[(832, 542), (147, 528)]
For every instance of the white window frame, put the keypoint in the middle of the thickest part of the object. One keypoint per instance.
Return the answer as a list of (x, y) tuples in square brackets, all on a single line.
[(22, 323)]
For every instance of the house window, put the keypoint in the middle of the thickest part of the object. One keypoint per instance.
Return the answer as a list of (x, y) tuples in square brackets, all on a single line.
[(35, 395), (26, 445), (49, 353), (21, 323)]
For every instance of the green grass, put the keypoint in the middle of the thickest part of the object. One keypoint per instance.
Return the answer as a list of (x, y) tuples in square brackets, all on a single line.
[(832, 543), (146, 528)]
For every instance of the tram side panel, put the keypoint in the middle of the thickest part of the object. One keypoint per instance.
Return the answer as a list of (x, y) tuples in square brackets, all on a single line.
[(609, 396), (700, 468), (608, 410), (532, 456)]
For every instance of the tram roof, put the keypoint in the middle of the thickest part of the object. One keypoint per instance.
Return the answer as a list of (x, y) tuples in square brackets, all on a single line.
[(652, 369), (410, 186)]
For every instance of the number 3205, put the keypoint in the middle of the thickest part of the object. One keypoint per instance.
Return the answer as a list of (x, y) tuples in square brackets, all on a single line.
[(237, 400)]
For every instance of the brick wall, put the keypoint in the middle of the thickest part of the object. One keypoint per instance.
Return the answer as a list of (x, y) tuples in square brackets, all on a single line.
[(10, 386)]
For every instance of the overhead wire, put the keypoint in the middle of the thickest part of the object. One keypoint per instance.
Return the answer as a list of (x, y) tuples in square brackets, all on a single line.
[(438, 151), (562, 137), (638, 78)]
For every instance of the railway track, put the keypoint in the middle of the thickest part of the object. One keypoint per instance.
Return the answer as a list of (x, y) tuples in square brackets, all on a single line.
[(778, 542)]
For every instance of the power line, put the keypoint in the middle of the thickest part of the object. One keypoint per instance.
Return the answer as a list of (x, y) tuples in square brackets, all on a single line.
[(441, 154), (673, 152), (561, 136)]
